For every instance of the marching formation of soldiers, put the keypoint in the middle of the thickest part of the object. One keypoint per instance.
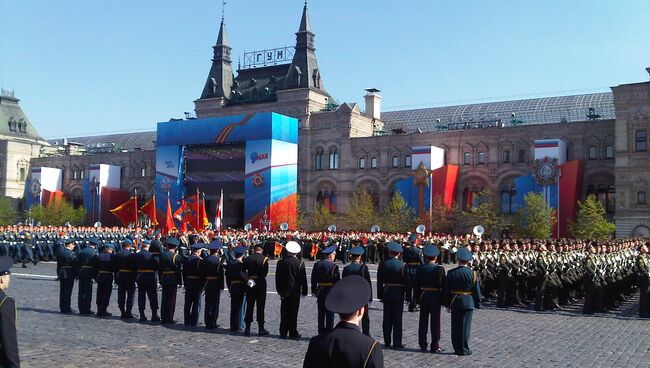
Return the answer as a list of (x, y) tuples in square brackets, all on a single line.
[(547, 274)]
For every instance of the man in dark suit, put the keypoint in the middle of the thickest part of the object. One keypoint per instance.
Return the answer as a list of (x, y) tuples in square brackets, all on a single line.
[(8, 339), (66, 270), (323, 277), (257, 267), (291, 283), (428, 284), (212, 275), (392, 282), (462, 296), (345, 346), (147, 265)]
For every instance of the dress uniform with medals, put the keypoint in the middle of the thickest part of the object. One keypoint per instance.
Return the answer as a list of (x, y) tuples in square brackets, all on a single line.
[(462, 296), (323, 277), (9, 356), (105, 266), (170, 278), (345, 345), (86, 274), (360, 269), (392, 282), (291, 283), (147, 266), (236, 279), (125, 278), (257, 268), (212, 275), (66, 271), (193, 285), (413, 258), (429, 281)]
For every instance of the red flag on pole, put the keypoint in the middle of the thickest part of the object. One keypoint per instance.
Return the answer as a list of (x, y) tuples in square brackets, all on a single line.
[(219, 215), (149, 209), (197, 212), (204, 215), (127, 212), (168, 225)]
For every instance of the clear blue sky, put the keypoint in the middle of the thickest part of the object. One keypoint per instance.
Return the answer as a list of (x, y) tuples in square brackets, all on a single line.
[(89, 67)]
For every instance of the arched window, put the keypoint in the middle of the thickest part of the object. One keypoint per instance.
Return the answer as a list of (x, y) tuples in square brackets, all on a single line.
[(610, 205), (467, 199), (480, 158), (507, 200), (467, 158), (326, 200), (318, 160), (77, 198), (521, 156), (319, 197), (333, 202), (407, 161), (395, 161), (362, 163), (334, 159), (505, 157)]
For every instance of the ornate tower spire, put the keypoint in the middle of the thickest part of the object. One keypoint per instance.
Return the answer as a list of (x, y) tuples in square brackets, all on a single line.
[(304, 72), (220, 78)]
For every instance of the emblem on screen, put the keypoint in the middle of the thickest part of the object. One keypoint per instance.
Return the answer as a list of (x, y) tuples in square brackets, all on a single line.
[(258, 180), (165, 184), (258, 157)]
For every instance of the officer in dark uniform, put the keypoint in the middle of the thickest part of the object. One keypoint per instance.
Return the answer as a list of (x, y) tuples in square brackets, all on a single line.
[(105, 267), (462, 296), (147, 265), (413, 259), (66, 271), (291, 283), (236, 279), (360, 269), (212, 275), (170, 278), (125, 279), (392, 281), (345, 346), (429, 281), (8, 338), (193, 285), (257, 268), (86, 274), (323, 276)]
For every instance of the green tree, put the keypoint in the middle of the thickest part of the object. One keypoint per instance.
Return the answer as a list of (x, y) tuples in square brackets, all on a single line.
[(322, 217), (486, 213), (443, 219), (57, 213), (361, 210), (591, 222), (398, 217), (7, 211), (535, 217)]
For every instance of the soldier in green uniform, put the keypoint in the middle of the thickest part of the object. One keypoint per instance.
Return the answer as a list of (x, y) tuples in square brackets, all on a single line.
[(643, 280), (413, 258), (193, 285), (236, 279), (392, 282), (323, 276), (257, 268), (86, 274), (66, 270), (356, 267), (170, 279), (212, 275), (428, 284), (462, 295), (105, 267), (9, 356)]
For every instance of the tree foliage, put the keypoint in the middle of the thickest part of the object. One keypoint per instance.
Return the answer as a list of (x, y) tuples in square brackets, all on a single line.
[(443, 219), (399, 216), (591, 222), (322, 217), (486, 213), (7, 211), (535, 217), (57, 213), (361, 210)]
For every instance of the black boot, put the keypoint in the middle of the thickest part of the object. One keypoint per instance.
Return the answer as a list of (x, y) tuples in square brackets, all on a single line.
[(143, 317), (154, 316), (247, 331), (262, 331)]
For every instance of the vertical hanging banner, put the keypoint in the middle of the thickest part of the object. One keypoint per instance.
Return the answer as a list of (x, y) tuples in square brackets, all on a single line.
[(42, 178), (99, 177)]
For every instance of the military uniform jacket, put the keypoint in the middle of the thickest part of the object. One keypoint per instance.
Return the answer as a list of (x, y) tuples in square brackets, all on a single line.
[(105, 266), (461, 290), (125, 266), (169, 269), (66, 263), (323, 276), (236, 277), (342, 347), (429, 282), (291, 278), (412, 256), (257, 267), (391, 279), (147, 265), (87, 268), (191, 271), (211, 269), (359, 269), (8, 339)]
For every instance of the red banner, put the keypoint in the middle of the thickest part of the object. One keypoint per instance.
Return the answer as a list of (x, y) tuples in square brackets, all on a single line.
[(149, 209), (48, 197), (127, 212), (112, 198), (168, 224)]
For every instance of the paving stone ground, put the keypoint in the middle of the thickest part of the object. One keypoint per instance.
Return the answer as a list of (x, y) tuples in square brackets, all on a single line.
[(500, 337)]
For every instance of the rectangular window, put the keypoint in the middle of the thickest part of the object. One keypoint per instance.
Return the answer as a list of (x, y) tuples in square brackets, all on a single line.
[(592, 152), (506, 157), (609, 151), (641, 140), (407, 161), (81, 174), (640, 197), (395, 161), (521, 156), (318, 163), (362, 163), (467, 158), (373, 163), (22, 174), (74, 175), (481, 158), (143, 172)]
